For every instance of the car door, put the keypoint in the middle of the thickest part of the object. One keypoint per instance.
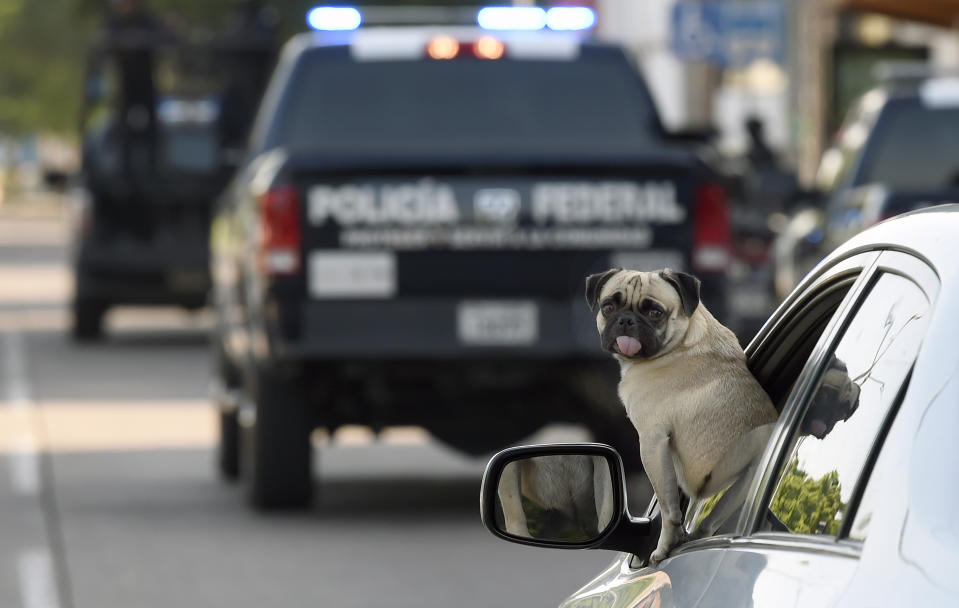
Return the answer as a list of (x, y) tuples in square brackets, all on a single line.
[(805, 526), (779, 357)]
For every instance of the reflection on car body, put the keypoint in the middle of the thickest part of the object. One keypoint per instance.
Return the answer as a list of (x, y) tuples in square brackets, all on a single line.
[(849, 507)]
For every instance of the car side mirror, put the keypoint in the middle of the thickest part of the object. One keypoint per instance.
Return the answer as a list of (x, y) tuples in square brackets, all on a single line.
[(567, 496)]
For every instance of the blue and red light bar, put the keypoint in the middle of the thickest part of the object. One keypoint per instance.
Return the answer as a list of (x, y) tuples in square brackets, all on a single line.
[(497, 18)]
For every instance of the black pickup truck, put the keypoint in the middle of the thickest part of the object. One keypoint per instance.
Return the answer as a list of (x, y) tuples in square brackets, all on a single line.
[(409, 240)]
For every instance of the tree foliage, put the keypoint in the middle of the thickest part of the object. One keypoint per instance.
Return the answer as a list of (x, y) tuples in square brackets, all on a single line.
[(806, 505), (43, 44), (40, 43)]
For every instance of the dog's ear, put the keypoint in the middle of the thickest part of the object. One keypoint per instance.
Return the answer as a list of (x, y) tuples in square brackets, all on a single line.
[(687, 286), (594, 285)]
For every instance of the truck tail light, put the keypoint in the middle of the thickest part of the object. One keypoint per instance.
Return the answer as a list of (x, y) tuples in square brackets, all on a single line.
[(282, 232), (712, 230)]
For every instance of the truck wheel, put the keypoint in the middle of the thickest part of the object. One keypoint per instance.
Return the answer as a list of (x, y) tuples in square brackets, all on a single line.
[(226, 398), (228, 451), (276, 451), (88, 319)]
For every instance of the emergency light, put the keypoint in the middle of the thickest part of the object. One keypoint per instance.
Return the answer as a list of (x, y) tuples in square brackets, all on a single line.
[(570, 18), (567, 18), (530, 18), (334, 18), (511, 18)]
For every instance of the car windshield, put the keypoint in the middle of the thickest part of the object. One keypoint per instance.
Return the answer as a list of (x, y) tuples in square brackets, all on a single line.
[(915, 146), (593, 104)]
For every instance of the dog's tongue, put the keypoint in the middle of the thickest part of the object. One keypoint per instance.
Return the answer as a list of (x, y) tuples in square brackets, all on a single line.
[(628, 346)]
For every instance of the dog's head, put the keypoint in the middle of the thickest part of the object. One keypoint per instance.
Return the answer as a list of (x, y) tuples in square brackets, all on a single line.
[(836, 400), (641, 315)]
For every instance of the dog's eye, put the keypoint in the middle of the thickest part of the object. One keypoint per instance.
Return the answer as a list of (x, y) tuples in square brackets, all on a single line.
[(655, 313), (608, 308)]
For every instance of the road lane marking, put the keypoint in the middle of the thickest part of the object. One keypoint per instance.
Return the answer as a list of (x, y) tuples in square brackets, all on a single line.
[(37, 580), (23, 446), (25, 467), (35, 566)]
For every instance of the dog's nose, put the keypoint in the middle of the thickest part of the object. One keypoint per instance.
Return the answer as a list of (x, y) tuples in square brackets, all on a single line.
[(624, 322)]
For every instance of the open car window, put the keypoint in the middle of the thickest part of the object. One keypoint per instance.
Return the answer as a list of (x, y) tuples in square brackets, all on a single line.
[(844, 417), (783, 353)]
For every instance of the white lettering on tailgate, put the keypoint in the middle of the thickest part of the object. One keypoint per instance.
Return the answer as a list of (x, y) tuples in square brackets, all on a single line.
[(422, 203), (607, 202)]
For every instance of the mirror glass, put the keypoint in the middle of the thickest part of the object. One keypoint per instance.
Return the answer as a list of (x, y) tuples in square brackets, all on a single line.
[(562, 498)]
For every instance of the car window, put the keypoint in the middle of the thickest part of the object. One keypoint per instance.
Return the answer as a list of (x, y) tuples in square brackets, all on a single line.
[(842, 424), (780, 359), (914, 147), (423, 107)]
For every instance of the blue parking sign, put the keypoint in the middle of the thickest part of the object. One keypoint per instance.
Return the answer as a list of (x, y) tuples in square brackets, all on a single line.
[(696, 31), (729, 33)]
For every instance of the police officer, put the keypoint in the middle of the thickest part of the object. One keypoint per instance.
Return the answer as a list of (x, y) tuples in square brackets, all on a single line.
[(132, 31)]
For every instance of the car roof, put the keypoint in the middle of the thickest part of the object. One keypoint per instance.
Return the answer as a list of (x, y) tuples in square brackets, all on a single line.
[(932, 91), (928, 233)]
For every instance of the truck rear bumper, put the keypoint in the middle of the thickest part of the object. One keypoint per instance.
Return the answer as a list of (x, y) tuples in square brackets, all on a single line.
[(428, 328), (143, 278)]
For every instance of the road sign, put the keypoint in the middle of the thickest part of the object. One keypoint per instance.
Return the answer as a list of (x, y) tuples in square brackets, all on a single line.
[(729, 33)]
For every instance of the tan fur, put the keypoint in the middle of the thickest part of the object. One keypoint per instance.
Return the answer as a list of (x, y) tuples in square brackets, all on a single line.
[(692, 403)]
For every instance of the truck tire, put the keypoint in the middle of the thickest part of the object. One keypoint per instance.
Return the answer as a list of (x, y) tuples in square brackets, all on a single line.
[(276, 452), (226, 396), (228, 450), (88, 319)]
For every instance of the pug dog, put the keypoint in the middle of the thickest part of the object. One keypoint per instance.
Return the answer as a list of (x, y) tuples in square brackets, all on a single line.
[(703, 419)]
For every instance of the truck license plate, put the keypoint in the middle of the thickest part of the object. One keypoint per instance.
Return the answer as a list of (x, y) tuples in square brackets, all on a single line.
[(491, 323)]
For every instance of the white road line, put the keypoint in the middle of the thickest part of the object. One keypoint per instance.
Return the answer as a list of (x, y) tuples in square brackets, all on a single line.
[(37, 583), (25, 466), (24, 459), (15, 370), (35, 567)]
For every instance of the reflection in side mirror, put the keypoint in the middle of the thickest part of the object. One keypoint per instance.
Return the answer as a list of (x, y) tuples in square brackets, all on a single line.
[(562, 495), (559, 498)]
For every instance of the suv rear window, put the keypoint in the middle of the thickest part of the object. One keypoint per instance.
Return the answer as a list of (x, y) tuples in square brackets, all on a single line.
[(335, 105), (915, 147)]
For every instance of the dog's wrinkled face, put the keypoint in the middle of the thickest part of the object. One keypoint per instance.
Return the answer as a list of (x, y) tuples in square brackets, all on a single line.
[(641, 315)]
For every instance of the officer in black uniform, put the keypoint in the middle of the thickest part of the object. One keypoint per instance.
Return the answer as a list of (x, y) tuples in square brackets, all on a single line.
[(132, 31)]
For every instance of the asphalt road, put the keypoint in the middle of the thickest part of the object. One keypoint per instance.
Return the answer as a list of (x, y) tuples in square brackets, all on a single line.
[(108, 495)]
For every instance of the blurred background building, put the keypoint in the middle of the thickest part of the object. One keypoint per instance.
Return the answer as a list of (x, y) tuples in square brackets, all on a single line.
[(794, 64)]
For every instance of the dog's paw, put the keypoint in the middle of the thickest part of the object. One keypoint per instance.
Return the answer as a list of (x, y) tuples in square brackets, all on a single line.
[(657, 556)]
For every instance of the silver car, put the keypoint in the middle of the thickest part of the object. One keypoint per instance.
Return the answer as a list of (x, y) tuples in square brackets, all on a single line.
[(855, 501)]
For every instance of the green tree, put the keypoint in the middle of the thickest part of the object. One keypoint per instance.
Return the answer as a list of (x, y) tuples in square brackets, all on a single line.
[(43, 45), (40, 74), (806, 505)]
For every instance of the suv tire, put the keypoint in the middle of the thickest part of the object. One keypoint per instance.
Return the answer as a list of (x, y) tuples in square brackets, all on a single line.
[(226, 397), (276, 450), (88, 319)]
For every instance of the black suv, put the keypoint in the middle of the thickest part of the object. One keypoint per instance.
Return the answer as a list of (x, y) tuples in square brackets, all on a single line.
[(153, 169)]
